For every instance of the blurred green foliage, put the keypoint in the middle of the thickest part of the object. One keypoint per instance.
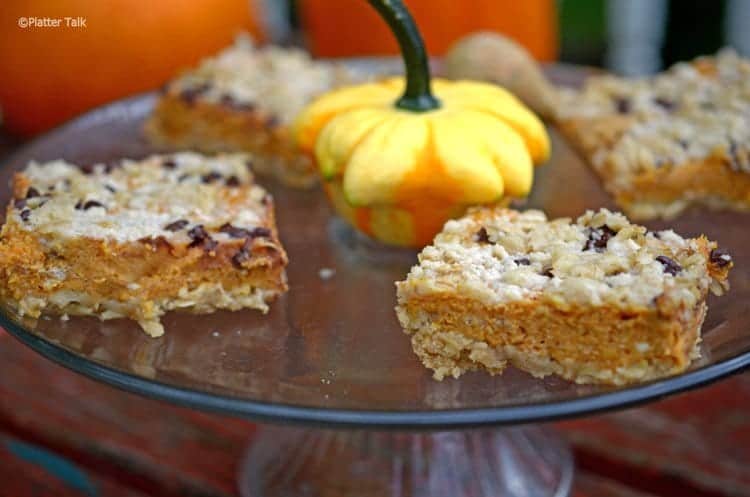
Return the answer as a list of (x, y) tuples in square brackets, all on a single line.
[(583, 31)]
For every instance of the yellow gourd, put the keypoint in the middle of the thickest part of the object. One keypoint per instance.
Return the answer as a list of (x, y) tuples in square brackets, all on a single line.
[(398, 172)]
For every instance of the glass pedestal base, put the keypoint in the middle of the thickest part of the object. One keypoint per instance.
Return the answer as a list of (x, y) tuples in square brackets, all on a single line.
[(528, 461)]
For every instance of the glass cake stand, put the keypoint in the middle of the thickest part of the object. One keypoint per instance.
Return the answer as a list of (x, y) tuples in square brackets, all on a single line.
[(349, 409)]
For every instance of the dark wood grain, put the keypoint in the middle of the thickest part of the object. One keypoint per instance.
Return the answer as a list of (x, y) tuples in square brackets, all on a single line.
[(23, 472), (148, 445), (591, 485), (697, 443), (702, 438)]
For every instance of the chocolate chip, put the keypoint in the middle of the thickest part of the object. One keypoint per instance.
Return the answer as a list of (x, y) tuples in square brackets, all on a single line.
[(229, 101), (235, 232), (272, 121), (190, 95), (211, 177), (736, 161), (25, 214), (683, 144), (110, 188), (523, 261), (482, 236), (91, 204), (169, 164), (242, 255), (720, 257), (670, 266), (183, 177), (548, 273), (201, 238), (233, 181), (197, 233), (19, 203), (665, 103), (607, 231), (32, 192), (598, 238), (87, 168), (260, 232), (197, 243), (209, 244), (176, 225), (80, 205), (622, 104)]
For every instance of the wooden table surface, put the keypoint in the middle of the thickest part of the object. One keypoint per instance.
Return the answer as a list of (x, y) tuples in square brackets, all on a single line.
[(63, 434)]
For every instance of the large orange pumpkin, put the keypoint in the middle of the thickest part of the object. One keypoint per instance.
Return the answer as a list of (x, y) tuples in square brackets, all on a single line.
[(337, 28), (49, 74)]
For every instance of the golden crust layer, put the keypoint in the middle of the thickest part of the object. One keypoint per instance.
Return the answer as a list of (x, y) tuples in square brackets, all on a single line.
[(452, 335)]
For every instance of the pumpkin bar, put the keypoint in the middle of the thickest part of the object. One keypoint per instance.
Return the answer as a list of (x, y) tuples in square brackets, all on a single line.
[(669, 142), (136, 239), (245, 99), (596, 300)]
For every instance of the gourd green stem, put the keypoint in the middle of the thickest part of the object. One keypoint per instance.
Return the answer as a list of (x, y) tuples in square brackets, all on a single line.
[(418, 96)]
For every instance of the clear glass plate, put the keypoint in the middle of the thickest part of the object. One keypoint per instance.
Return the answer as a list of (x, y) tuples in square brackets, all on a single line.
[(331, 351)]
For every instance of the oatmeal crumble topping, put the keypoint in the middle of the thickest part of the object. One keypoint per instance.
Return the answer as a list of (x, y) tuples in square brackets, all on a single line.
[(279, 80), (174, 197), (693, 111), (600, 258)]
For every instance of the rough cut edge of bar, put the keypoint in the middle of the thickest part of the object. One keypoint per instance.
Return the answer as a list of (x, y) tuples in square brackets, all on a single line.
[(452, 335)]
